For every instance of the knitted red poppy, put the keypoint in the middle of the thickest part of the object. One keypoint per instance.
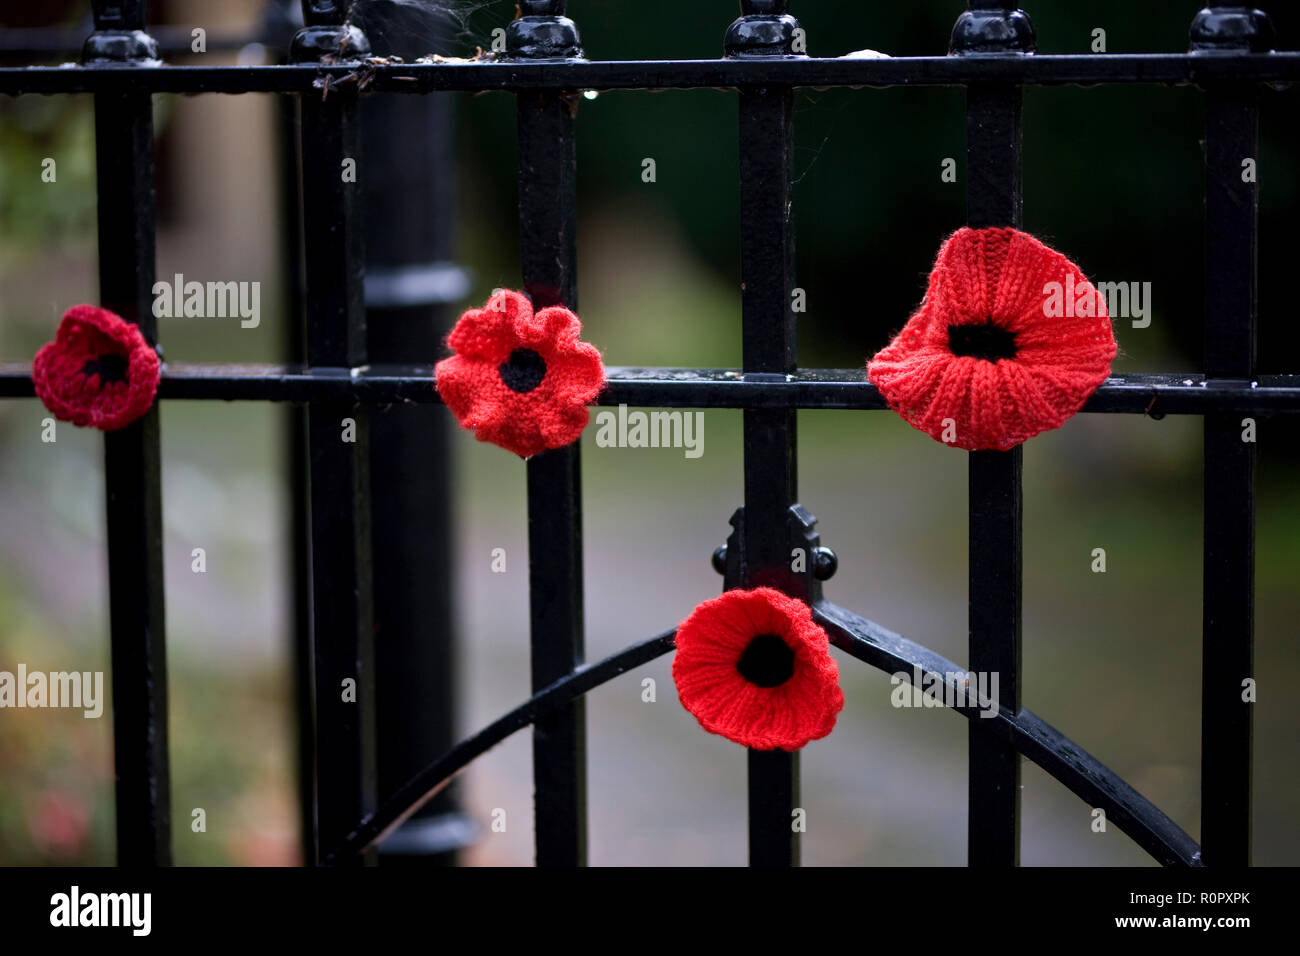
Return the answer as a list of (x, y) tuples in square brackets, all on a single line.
[(1010, 341), (98, 371), (754, 667), (519, 380)]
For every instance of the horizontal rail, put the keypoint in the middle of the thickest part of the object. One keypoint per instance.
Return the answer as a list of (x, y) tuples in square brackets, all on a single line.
[(1086, 70), (1156, 394)]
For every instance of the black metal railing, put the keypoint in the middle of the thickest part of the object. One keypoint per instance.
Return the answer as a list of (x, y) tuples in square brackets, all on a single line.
[(991, 58)]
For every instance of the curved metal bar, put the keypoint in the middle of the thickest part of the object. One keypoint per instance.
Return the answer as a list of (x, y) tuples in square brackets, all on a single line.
[(1078, 770), (425, 785)]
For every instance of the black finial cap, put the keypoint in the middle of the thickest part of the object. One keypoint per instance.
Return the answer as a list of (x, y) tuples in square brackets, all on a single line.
[(543, 32), (327, 34), (119, 46), (765, 28), (119, 35), (1231, 29), (990, 27)]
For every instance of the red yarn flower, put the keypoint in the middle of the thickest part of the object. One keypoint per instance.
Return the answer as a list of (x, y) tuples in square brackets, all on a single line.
[(1010, 341), (754, 667), (98, 371), (518, 379)]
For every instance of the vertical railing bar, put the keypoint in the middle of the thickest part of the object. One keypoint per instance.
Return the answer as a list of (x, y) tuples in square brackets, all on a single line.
[(993, 198), (1231, 219), (548, 162), (132, 467), (342, 613), (278, 19), (556, 613), (298, 525), (767, 263)]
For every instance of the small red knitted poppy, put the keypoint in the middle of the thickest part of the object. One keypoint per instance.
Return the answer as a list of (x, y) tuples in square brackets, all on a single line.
[(519, 380), (1010, 341), (98, 371), (754, 667)]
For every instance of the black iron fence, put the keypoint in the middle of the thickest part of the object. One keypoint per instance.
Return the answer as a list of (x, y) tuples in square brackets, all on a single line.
[(1229, 61)]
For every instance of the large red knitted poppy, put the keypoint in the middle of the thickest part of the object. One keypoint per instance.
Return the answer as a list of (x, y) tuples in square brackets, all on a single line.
[(519, 380), (754, 667), (98, 371), (1010, 341)]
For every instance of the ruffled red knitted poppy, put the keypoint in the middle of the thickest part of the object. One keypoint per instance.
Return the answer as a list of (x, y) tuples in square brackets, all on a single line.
[(754, 667), (98, 371), (1010, 341), (519, 380)]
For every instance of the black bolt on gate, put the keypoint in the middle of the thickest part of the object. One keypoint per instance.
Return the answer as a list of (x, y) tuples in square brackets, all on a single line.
[(992, 58)]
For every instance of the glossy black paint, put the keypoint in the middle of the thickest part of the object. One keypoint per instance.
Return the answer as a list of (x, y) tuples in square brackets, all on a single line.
[(729, 73), (338, 451), (132, 468), (993, 198), (548, 248), (1154, 394), (761, 546), (542, 32), (865, 641), (995, 27), (119, 38), (1230, 28), (1228, 595), (765, 28)]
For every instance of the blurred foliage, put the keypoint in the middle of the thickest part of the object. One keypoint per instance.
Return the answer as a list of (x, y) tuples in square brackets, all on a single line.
[(33, 128)]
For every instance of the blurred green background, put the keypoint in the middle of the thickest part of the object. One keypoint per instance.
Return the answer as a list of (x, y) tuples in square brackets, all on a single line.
[(1112, 178)]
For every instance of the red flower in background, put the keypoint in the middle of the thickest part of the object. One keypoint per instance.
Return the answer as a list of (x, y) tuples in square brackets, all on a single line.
[(754, 667), (59, 823), (98, 371), (1010, 341), (520, 380)]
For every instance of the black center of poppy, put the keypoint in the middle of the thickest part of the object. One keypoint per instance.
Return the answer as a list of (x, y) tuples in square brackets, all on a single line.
[(109, 368), (523, 371), (986, 341), (767, 661)]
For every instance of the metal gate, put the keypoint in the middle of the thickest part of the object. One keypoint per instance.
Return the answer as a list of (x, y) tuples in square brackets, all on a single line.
[(763, 64)]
